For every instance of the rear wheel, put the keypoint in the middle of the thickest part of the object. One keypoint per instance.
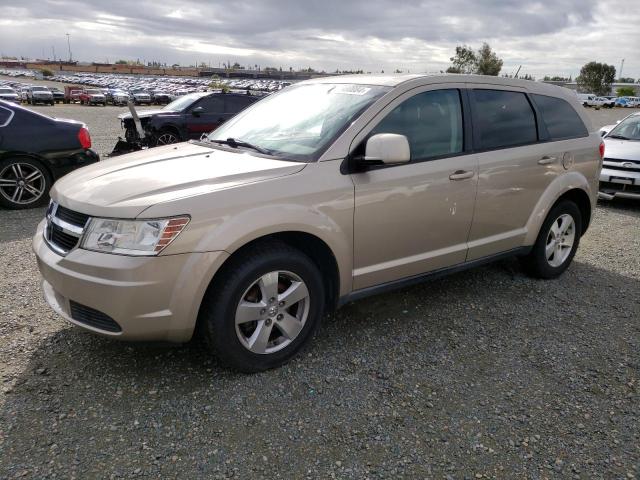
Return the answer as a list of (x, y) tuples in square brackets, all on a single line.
[(557, 242), (264, 308), (24, 183)]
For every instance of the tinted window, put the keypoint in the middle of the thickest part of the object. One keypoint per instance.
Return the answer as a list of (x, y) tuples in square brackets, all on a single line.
[(235, 103), (5, 115), (431, 121), (503, 119), (213, 104), (560, 118)]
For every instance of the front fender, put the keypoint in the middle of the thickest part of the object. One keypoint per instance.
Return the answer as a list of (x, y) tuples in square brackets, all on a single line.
[(561, 185)]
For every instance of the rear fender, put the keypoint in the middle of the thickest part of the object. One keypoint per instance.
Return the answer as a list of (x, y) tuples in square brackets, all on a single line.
[(557, 188)]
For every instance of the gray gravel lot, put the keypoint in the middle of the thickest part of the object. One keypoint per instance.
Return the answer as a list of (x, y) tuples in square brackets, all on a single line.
[(484, 374)]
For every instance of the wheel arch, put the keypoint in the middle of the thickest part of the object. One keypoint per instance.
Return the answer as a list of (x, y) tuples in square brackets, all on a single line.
[(311, 245), (32, 156), (571, 186)]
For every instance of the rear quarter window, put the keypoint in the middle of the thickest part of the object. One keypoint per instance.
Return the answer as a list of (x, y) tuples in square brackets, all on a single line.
[(561, 120), (503, 119), (5, 116)]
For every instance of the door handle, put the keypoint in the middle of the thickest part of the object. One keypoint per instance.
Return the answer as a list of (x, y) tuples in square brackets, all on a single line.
[(461, 175), (547, 160)]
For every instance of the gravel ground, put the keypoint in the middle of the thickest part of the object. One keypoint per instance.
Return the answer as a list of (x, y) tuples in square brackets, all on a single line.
[(483, 374)]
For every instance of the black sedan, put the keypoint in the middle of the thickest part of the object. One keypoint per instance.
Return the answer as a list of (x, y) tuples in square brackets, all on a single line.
[(36, 150)]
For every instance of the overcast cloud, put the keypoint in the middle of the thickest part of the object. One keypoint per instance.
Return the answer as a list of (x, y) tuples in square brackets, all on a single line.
[(550, 37)]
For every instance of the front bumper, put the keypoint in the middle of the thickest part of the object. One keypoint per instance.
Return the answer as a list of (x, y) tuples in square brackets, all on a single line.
[(149, 298), (619, 183)]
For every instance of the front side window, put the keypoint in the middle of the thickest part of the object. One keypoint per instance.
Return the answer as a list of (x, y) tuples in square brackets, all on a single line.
[(235, 103), (503, 119), (431, 121), (560, 118), (5, 116), (300, 122)]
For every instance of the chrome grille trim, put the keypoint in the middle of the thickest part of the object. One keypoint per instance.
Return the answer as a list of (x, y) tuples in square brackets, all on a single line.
[(66, 228)]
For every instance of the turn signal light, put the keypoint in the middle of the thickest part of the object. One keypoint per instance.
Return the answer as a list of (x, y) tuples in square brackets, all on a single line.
[(601, 150)]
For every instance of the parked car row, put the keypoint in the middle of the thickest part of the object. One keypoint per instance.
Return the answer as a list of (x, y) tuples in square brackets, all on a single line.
[(590, 100)]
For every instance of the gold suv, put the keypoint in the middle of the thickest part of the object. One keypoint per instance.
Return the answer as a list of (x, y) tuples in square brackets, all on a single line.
[(326, 192)]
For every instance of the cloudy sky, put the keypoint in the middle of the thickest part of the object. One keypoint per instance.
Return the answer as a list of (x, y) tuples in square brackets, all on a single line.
[(547, 37)]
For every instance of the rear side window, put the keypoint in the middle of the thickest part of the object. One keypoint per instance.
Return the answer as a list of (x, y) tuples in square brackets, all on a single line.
[(233, 104), (503, 119), (212, 104), (431, 121), (560, 118)]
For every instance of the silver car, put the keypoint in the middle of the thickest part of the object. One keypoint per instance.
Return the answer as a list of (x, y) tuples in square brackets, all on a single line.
[(620, 176)]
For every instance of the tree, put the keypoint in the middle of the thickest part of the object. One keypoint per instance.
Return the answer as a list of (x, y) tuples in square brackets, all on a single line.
[(596, 78), (625, 92), (46, 72), (121, 62), (482, 62), (488, 62), (464, 61)]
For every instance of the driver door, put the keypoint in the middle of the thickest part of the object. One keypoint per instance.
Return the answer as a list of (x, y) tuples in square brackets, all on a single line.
[(415, 218), (205, 116)]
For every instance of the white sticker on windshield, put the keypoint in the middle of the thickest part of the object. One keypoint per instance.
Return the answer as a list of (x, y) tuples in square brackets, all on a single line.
[(351, 89)]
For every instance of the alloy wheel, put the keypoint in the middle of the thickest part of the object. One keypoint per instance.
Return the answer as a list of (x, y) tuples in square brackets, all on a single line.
[(272, 312), (560, 239), (22, 183), (166, 139)]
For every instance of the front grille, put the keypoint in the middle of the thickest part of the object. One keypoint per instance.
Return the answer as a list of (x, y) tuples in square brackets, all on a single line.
[(74, 218), (64, 228), (93, 318), (62, 239), (622, 165)]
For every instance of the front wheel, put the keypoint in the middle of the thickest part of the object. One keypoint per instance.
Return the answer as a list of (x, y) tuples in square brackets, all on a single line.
[(557, 242), (263, 308), (24, 183)]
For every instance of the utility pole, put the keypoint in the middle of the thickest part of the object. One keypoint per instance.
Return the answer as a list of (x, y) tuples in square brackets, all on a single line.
[(620, 73), (53, 51), (69, 45)]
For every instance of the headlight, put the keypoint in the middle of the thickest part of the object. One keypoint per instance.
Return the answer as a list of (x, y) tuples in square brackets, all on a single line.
[(132, 237)]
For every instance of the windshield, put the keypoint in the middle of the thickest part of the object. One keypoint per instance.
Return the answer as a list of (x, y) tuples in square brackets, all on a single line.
[(6, 90), (181, 103), (627, 129), (94, 92), (300, 122), (39, 89)]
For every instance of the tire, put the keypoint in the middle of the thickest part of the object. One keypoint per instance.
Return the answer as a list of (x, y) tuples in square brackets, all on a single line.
[(239, 281), (166, 136), (539, 263), (37, 178)]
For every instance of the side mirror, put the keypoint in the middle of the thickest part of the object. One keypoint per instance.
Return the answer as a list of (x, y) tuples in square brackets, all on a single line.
[(618, 121), (197, 111), (387, 148), (603, 132)]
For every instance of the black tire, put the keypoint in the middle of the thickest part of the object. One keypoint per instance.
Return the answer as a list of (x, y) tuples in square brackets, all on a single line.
[(216, 318), (536, 263), (44, 185)]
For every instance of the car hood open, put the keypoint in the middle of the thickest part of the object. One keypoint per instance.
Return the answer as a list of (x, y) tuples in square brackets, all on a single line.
[(125, 186)]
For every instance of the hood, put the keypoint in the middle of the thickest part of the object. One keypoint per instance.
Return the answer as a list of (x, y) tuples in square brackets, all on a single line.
[(144, 113), (622, 149), (127, 185)]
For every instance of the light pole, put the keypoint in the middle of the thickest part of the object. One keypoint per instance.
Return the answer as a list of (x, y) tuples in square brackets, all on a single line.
[(69, 45)]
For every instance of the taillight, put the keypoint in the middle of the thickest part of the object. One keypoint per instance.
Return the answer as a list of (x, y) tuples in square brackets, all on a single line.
[(601, 150), (84, 137)]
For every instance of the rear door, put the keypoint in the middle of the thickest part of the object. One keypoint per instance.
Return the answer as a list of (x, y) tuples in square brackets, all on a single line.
[(516, 165)]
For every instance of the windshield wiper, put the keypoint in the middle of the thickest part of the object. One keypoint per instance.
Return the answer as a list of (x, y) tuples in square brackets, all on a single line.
[(232, 142), (619, 137)]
